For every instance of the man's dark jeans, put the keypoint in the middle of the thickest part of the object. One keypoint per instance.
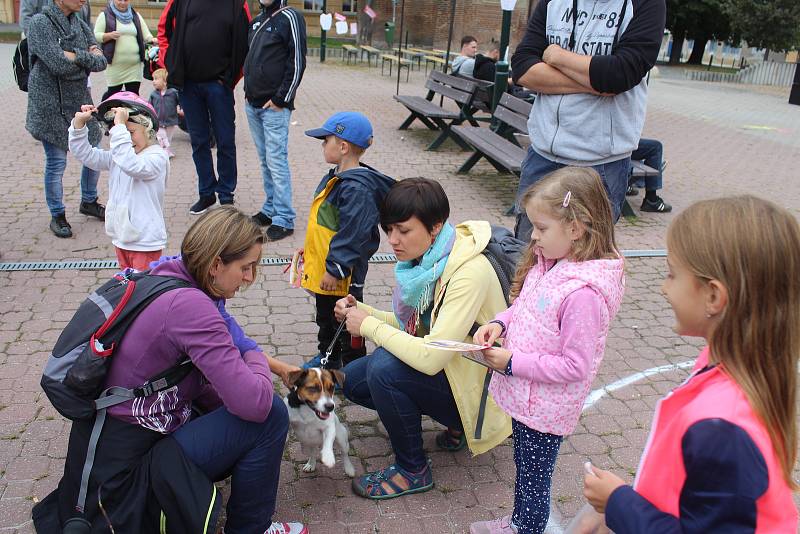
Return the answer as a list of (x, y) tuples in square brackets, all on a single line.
[(223, 445), (535, 167), (651, 152), (208, 105), (401, 395)]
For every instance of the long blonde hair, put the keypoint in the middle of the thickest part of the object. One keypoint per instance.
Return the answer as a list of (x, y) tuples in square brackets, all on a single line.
[(752, 247), (225, 233), (588, 206)]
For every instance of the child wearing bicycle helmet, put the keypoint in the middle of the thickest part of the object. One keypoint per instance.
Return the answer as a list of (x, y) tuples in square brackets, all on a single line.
[(138, 169)]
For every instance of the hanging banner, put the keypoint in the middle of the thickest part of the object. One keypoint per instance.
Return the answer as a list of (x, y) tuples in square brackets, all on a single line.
[(368, 11), (339, 17), (325, 21), (341, 27), (353, 28)]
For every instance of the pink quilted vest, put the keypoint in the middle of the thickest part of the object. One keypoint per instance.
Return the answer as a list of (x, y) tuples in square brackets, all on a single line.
[(534, 328)]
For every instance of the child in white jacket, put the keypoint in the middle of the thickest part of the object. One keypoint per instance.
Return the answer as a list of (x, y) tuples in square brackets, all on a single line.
[(138, 174)]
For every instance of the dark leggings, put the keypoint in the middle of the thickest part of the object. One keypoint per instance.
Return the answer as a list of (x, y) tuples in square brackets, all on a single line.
[(535, 456), (133, 87)]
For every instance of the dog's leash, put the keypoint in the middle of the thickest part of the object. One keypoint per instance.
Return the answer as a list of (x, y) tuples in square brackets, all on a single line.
[(324, 361)]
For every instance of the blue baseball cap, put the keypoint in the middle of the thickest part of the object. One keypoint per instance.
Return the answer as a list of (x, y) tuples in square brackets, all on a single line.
[(351, 126)]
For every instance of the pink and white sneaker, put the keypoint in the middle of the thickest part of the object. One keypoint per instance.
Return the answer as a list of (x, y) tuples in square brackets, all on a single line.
[(495, 526), (287, 528)]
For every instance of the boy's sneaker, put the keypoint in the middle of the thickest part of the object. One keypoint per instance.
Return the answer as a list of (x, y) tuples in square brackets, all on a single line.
[(60, 226), (93, 209), (631, 191), (286, 528), (202, 205), (495, 526), (656, 206), (226, 202), (276, 233), (261, 219)]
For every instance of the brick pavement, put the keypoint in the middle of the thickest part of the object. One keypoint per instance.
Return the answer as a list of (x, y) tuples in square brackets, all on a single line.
[(719, 140)]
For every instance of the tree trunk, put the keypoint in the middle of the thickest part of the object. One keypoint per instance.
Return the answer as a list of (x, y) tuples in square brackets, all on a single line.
[(696, 57), (677, 46)]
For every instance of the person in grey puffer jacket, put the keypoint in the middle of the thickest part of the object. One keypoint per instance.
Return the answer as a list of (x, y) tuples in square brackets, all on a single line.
[(63, 52)]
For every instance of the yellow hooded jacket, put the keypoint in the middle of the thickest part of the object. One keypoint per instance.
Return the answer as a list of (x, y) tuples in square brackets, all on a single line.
[(473, 296)]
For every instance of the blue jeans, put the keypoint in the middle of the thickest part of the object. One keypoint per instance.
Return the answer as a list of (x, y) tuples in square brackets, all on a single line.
[(652, 153), (401, 395), (223, 445), (535, 167), (55, 161), (535, 455), (210, 105), (270, 131)]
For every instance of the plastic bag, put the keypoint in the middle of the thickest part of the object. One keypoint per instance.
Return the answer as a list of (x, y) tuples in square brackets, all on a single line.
[(587, 521)]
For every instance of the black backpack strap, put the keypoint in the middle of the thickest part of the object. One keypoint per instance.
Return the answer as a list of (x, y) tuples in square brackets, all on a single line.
[(165, 380)]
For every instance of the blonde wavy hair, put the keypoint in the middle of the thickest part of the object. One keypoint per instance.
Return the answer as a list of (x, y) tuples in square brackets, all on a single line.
[(751, 247), (588, 206), (225, 233)]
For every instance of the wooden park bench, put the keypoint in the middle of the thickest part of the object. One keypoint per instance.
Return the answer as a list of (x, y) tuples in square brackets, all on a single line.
[(498, 144), (394, 60), (350, 52), (436, 60), (436, 117), (371, 53)]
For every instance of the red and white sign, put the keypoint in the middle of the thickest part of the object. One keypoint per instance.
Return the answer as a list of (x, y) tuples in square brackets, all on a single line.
[(370, 12), (340, 17)]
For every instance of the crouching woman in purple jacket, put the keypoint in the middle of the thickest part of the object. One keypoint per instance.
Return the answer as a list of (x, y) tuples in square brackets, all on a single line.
[(243, 431)]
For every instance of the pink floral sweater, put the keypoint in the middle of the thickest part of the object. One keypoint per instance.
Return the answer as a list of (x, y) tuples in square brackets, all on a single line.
[(556, 330)]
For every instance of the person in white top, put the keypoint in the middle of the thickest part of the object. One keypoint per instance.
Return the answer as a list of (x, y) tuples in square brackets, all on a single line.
[(138, 169)]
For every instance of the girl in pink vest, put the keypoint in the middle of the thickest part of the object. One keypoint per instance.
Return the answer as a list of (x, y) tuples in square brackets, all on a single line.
[(723, 444), (566, 292)]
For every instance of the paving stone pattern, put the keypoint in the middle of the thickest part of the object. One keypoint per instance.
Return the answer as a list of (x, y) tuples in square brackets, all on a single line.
[(719, 140)]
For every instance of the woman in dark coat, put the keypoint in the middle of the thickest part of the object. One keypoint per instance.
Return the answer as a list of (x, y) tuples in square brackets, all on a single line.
[(63, 52)]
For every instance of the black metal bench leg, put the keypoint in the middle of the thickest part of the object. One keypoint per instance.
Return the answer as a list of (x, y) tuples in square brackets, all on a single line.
[(471, 161), (627, 210)]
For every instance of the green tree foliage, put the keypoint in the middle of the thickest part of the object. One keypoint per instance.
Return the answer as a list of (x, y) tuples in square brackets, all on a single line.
[(700, 20), (773, 24)]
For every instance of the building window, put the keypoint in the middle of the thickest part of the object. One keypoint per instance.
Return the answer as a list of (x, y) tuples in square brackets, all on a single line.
[(350, 6), (312, 5)]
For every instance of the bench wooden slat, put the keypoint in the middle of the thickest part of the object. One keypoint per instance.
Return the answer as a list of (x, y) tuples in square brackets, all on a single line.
[(517, 121), (494, 146), (425, 107), (516, 104), (395, 59), (454, 81), (640, 169), (370, 49), (462, 97)]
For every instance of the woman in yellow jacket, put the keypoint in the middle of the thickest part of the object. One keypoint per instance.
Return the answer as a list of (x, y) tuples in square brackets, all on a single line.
[(444, 286)]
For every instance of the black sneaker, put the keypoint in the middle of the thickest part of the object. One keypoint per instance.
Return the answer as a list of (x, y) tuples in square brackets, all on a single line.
[(226, 202), (656, 206), (276, 233), (202, 205), (93, 209), (631, 191), (261, 219), (60, 226)]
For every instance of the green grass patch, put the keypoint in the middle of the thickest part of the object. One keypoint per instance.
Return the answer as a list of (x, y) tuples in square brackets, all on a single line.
[(9, 37), (330, 42)]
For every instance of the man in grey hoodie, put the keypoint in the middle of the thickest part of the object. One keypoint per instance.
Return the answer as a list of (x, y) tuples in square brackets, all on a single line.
[(587, 60), (464, 63)]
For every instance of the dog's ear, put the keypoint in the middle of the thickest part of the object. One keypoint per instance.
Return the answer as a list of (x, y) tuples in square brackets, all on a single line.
[(296, 377), (338, 376)]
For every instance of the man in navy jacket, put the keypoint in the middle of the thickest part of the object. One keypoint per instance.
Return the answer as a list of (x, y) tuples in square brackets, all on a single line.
[(273, 70)]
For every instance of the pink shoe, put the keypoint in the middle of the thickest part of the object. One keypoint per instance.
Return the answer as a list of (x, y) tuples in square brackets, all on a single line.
[(495, 526)]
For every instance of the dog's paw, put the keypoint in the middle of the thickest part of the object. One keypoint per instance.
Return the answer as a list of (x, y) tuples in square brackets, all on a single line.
[(349, 470), (328, 459), (310, 467)]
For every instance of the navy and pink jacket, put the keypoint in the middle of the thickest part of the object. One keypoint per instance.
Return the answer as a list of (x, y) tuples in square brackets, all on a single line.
[(709, 466)]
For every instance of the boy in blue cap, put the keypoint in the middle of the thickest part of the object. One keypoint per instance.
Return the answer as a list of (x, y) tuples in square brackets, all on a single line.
[(348, 199)]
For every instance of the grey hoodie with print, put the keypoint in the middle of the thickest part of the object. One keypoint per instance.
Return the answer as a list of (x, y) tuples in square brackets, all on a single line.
[(624, 37)]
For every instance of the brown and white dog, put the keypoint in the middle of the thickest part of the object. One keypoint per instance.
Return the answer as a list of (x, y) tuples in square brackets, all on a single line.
[(313, 421)]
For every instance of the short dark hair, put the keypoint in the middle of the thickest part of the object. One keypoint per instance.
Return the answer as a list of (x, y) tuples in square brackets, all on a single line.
[(415, 197), (467, 39)]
